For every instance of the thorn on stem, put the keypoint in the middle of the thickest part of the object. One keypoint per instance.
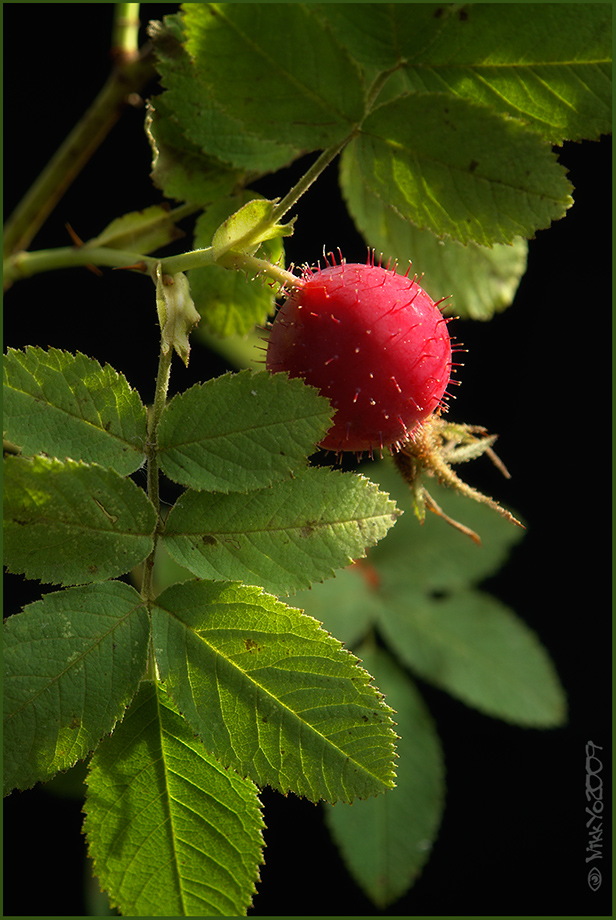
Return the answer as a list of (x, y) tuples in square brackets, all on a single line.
[(138, 267)]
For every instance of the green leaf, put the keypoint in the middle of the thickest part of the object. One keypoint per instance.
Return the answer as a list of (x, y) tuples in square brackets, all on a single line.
[(381, 36), (386, 841), (458, 169), (191, 126), (283, 537), (547, 64), (304, 90), (70, 523), (69, 406), (140, 231), (271, 693), (179, 168), (72, 663), (479, 651), (430, 559), (170, 831), (480, 280), (347, 605), (167, 571), (229, 302), (241, 431), (415, 587)]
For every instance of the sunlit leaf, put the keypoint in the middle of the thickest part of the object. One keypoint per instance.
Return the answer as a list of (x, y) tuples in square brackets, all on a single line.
[(478, 281), (459, 169), (548, 64), (69, 406), (72, 663), (283, 537), (271, 693), (241, 431), (72, 523), (171, 832)]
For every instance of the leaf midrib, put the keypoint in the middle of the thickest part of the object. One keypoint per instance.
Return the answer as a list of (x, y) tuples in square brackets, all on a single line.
[(286, 710)]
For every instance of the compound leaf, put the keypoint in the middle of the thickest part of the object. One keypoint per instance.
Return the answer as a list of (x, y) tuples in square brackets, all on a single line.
[(271, 693), (283, 537), (548, 64), (478, 281), (385, 841), (479, 651), (468, 172), (72, 663), (73, 523), (416, 588), (241, 431), (69, 406), (309, 100), (190, 124), (171, 832), (430, 559)]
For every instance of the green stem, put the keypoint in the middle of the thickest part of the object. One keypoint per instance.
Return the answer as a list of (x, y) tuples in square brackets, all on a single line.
[(151, 452), (253, 265), (310, 176), (200, 257), (125, 31), (129, 77), (196, 258), (232, 260), (25, 264)]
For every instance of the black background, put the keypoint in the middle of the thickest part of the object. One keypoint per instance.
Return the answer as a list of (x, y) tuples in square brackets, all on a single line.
[(513, 837)]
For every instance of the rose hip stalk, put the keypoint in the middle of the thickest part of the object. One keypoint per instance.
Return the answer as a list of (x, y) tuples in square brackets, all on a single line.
[(374, 343)]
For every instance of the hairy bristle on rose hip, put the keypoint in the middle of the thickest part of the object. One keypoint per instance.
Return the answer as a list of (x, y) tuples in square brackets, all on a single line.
[(372, 341)]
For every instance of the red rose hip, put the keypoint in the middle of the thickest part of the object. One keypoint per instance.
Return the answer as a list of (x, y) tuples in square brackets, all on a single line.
[(374, 343)]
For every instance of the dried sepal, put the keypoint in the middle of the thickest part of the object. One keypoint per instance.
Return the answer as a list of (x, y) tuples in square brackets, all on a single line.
[(431, 450)]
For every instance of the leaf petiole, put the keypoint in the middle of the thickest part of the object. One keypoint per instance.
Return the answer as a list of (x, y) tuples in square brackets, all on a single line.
[(310, 176), (151, 452)]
